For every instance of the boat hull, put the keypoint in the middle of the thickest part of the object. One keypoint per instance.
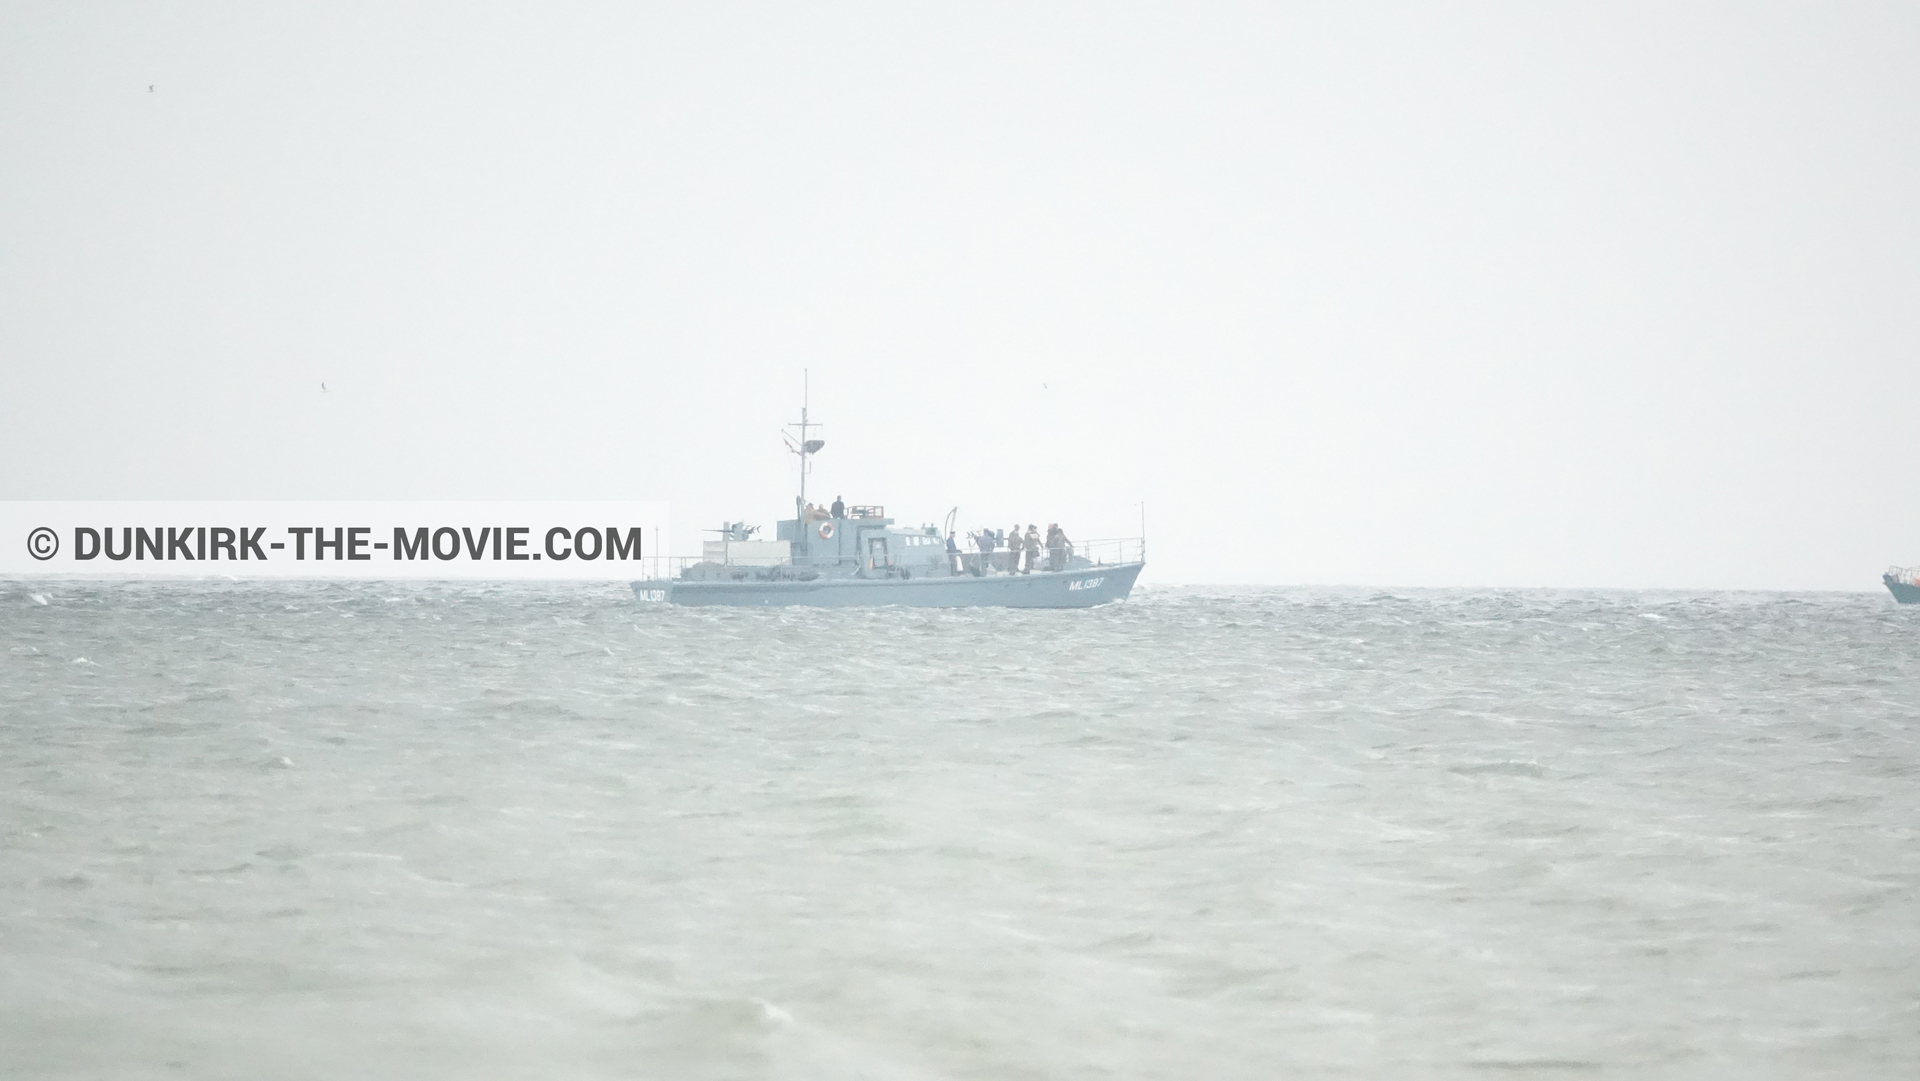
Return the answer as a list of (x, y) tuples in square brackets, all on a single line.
[(1902, 592), (1082, 588)]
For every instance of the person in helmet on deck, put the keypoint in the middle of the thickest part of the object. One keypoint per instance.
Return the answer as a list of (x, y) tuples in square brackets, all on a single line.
[(1058, 546)]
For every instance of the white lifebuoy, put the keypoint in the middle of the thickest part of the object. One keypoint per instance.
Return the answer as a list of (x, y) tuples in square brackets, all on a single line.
[(826, 530)]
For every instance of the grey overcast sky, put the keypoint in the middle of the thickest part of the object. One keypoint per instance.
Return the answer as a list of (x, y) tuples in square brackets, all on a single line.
[(1469, 294)]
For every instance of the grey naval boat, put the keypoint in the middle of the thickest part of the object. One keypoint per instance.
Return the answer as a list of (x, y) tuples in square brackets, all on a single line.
[(856, 556)]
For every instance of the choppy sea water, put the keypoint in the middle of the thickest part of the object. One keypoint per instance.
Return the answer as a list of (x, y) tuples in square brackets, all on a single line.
[(451, 831)]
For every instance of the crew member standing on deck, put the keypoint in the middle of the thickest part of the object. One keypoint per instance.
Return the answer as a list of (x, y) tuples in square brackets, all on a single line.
[(1056, 547), (839, 508), (1013, 549), (983, 540), (1033, 547)]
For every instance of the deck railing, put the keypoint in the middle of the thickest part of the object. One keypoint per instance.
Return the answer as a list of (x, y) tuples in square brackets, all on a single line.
[(1104, 552), (1111, 550), (657, 567)]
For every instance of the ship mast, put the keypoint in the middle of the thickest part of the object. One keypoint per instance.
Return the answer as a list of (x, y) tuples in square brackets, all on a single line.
[(805, 450)]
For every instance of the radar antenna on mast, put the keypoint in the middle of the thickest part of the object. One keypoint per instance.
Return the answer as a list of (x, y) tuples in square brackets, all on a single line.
[(806, 449)]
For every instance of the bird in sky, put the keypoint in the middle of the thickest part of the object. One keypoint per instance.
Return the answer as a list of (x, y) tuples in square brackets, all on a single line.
[(323, 388), (150, 88)]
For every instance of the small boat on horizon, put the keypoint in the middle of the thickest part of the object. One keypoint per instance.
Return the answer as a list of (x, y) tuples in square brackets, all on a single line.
[(1903, 583), (856, 556)]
